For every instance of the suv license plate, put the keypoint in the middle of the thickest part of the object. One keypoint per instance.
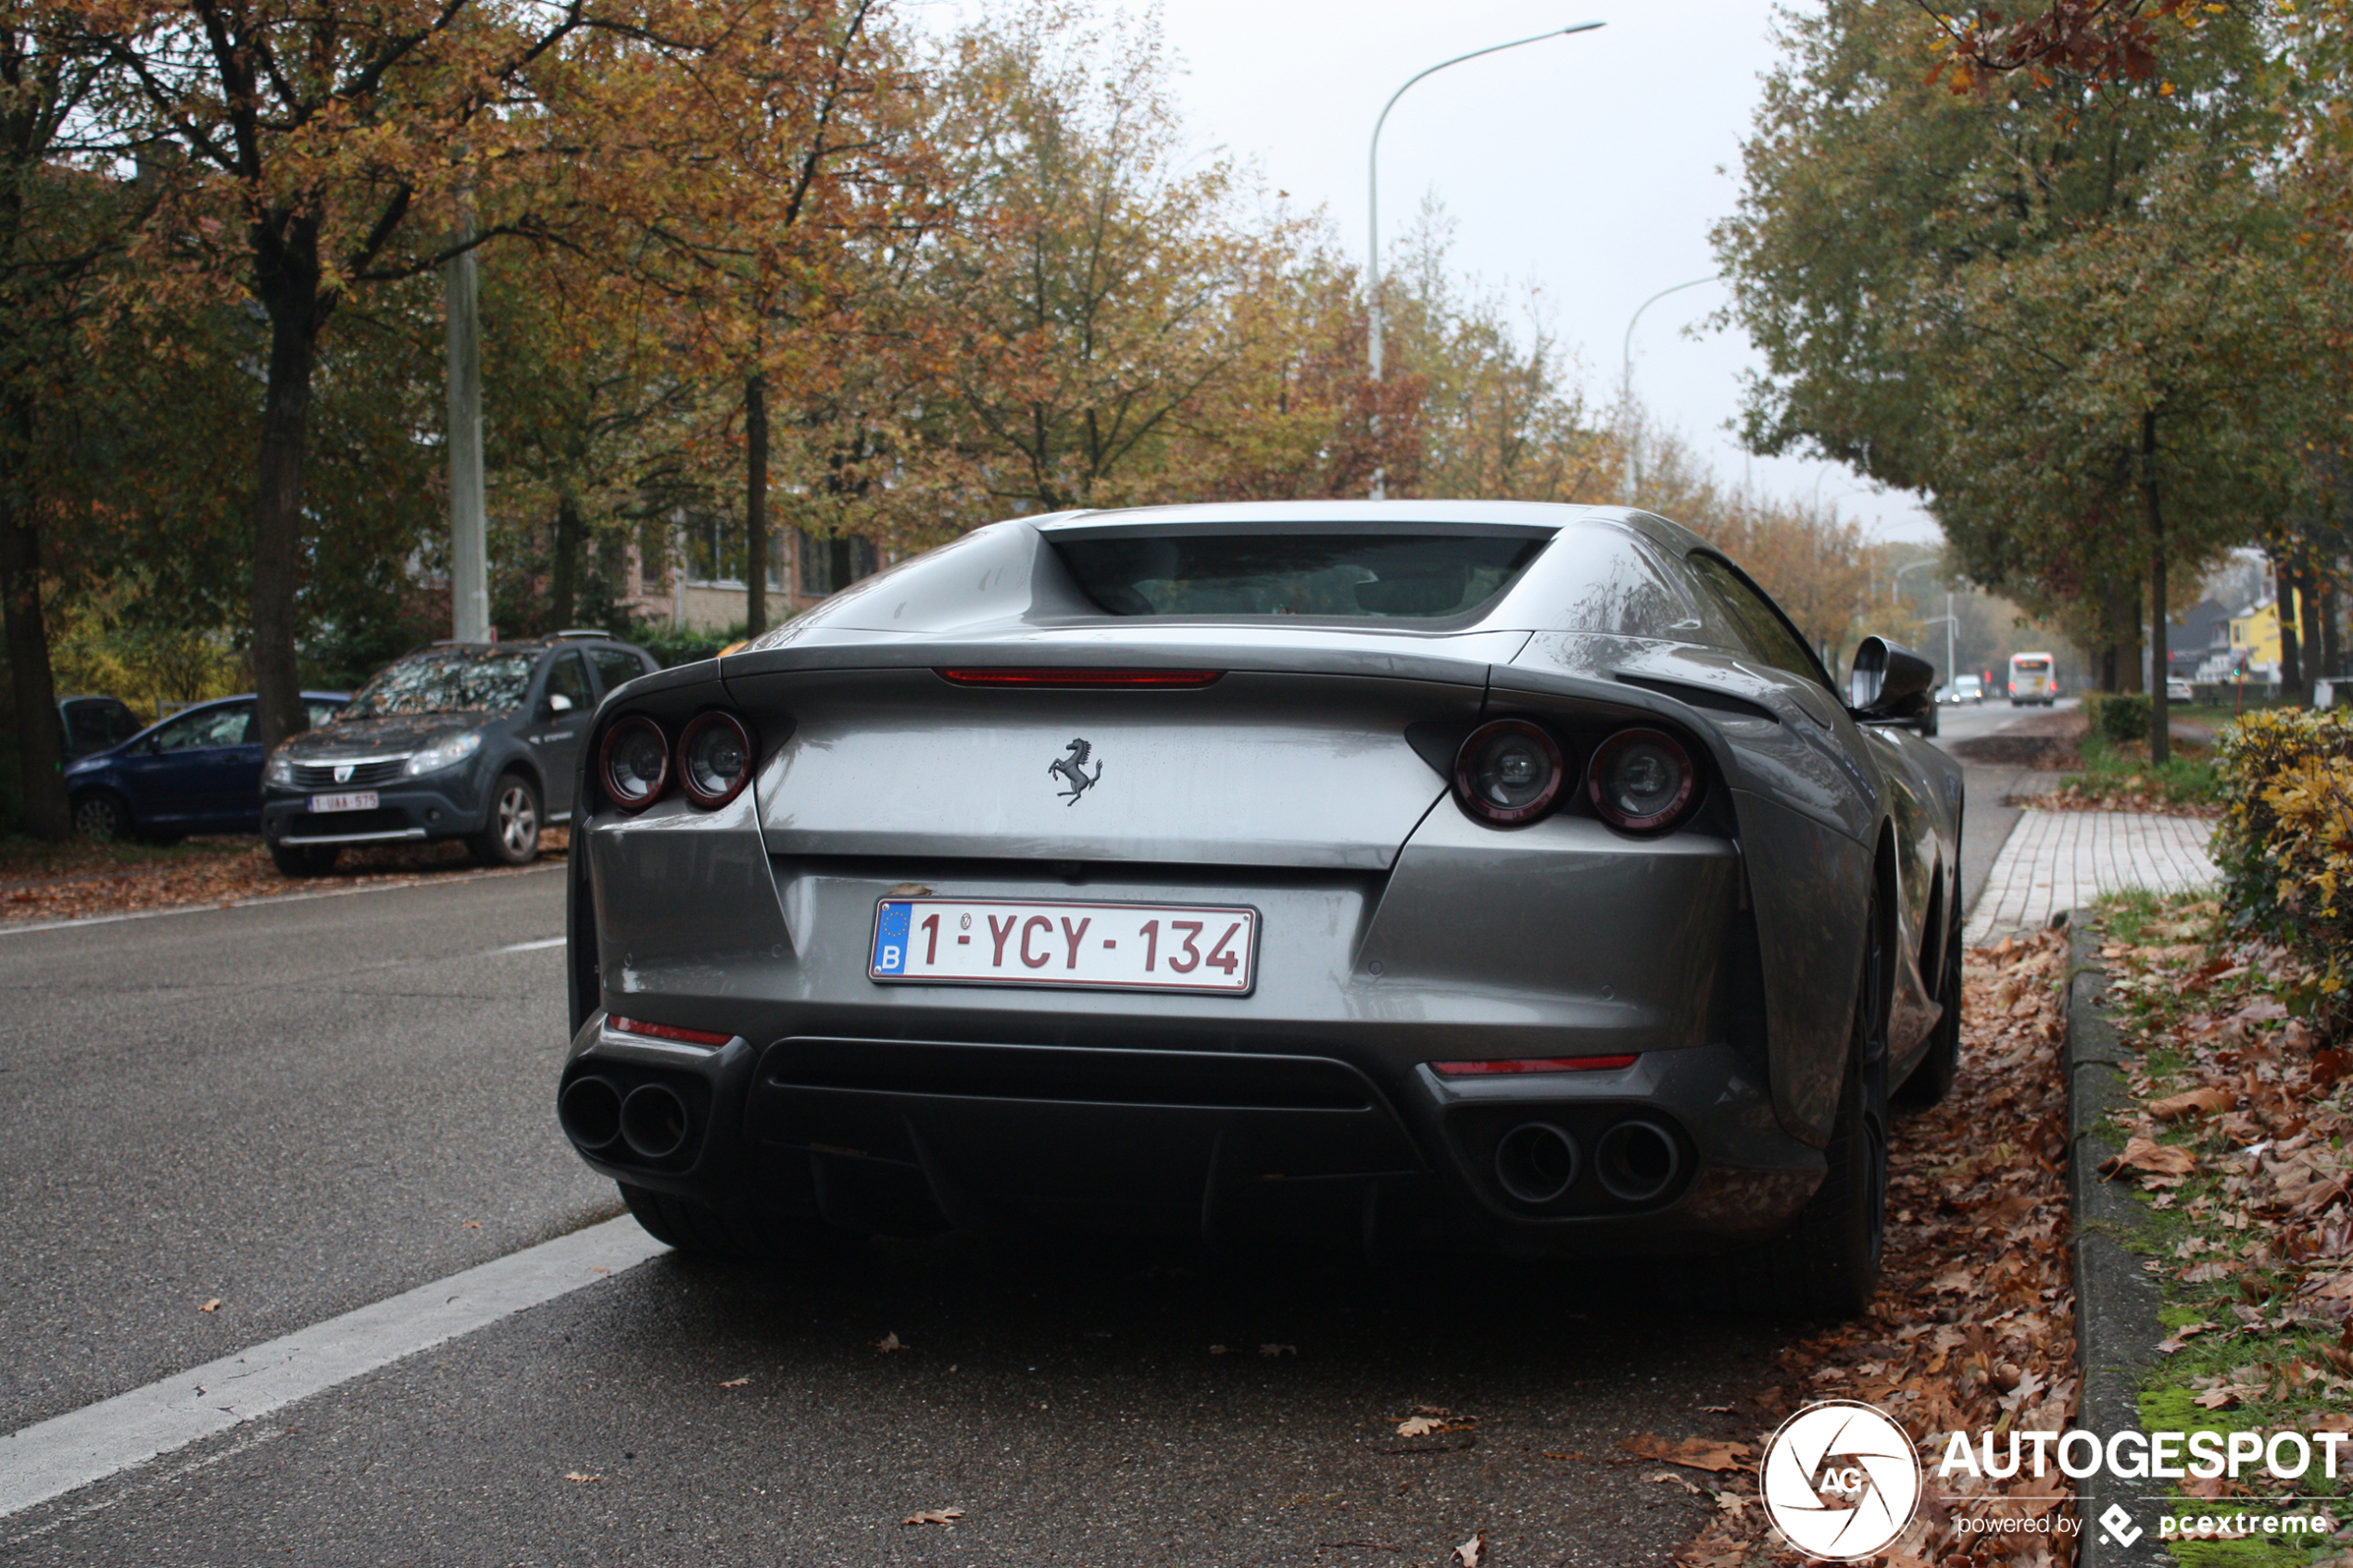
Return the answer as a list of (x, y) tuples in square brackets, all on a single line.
[(357, 801), (1111, 946)]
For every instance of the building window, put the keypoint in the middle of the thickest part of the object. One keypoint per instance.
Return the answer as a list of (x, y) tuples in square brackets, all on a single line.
[(714, 551), (829, 565)]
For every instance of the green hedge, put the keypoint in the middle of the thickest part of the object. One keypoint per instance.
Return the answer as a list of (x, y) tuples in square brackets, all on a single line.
[(2117, 718), (2285, 841), (675, 645)]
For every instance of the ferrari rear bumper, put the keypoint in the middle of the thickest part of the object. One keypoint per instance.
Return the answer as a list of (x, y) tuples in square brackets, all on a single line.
[(1678, 1152)]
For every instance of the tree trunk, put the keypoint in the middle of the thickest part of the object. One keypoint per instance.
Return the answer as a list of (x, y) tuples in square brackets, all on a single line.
[(2291, 664), (288, 282), (2121, 668), (40, 742), (561, 596), (2308, 625), (2330, 650), (2160, 717), (756, 505)]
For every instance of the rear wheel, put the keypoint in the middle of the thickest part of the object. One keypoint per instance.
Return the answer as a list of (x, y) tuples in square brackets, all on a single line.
[(101, 813), (746, 1238), (303, 860), (512, 836)]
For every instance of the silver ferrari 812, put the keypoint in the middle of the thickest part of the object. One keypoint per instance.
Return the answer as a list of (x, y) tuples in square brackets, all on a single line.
[(1390, 874)]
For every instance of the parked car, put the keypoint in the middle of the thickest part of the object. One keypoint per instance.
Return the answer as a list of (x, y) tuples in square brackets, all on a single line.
[(2178, 690), (478, 741), (1491, 876), (94, 723), (197, 772), (1963, 688)]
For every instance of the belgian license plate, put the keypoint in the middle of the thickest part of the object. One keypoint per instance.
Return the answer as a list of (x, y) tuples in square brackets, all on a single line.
[(357, 801), (1119, 947)]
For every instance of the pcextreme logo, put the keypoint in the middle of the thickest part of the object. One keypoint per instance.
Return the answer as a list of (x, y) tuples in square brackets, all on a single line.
[(1840, 1480)]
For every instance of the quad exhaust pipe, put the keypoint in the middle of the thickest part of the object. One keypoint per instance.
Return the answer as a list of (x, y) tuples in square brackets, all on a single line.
[(650, 1121), (1635, 1161)]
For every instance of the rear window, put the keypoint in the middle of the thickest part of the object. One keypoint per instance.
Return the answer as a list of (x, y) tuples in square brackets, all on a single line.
[(1353, 576)]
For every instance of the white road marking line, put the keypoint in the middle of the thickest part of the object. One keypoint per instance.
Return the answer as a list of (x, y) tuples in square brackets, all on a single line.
[(68, 1451), (7, 930), (163, 1478), (531, 947)]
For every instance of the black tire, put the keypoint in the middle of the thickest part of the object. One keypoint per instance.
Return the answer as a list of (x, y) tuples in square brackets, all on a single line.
[(742, 1238), (303, 860), (511, 836), (1932, 1078), (102, 814), (1827, 1263)]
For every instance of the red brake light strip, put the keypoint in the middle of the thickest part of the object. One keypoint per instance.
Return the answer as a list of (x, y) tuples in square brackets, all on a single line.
[(668, 1031), (1180, 679), (1534, 1064)]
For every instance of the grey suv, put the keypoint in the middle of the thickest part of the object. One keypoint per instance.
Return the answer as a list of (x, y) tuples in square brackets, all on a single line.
[(478, 741)]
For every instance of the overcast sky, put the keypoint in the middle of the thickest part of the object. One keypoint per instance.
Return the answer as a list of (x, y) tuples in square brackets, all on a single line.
[(1589, 166)]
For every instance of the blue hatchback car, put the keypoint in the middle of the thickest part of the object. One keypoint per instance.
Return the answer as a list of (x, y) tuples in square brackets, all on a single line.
[(197, 772)]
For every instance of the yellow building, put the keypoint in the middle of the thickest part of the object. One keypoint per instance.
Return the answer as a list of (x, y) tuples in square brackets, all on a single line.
[(2255, 634)]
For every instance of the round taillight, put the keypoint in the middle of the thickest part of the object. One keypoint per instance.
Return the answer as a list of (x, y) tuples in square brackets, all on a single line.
[(636, 763), (1508, 772), (1641, 780), (714, 760)]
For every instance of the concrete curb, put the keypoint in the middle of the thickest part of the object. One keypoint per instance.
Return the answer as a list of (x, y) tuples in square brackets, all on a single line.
[(2117, 1325)]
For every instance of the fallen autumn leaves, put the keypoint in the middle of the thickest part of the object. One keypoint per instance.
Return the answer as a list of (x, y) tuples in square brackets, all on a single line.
[(1974, 1326), (77, 880)]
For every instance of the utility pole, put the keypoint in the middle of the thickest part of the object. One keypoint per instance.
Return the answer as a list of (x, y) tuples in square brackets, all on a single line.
[(469, 520)]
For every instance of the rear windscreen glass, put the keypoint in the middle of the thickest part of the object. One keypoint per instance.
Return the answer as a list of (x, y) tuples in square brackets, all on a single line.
[(1384, 576)]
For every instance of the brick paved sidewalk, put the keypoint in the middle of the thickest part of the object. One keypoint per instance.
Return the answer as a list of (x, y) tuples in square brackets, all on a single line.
[(2056, 861)]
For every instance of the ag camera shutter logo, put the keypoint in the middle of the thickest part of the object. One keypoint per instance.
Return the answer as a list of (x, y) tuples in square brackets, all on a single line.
[(1839, 1479)]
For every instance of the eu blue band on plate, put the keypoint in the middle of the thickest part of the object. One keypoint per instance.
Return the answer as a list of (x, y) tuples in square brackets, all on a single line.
[(890, 938)]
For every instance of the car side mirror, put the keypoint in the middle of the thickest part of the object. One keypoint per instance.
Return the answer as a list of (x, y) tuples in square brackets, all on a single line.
[(558, 703), (1888, 682)]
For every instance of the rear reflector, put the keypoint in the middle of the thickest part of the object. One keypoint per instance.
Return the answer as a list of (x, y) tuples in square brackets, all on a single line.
[(1534, 1064), (671, 1031), (1162, 678)]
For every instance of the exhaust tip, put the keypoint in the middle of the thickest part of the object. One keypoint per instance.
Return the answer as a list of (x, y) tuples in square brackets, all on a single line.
[(653, 1121), (1536, 1162), (1636, 1161), (589, 1110)]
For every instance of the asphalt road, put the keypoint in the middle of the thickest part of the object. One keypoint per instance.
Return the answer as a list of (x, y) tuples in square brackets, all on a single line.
[(298, 1109)]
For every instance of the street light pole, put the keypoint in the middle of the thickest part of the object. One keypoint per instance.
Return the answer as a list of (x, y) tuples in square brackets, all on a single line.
[(1625, 385), (1895, 581), (469, 525), (1372, 163)]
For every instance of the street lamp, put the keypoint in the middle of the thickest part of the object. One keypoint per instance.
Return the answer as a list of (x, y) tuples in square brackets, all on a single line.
[(1625, 385), (1895, 581), (1949, 620), (1373, 168)]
